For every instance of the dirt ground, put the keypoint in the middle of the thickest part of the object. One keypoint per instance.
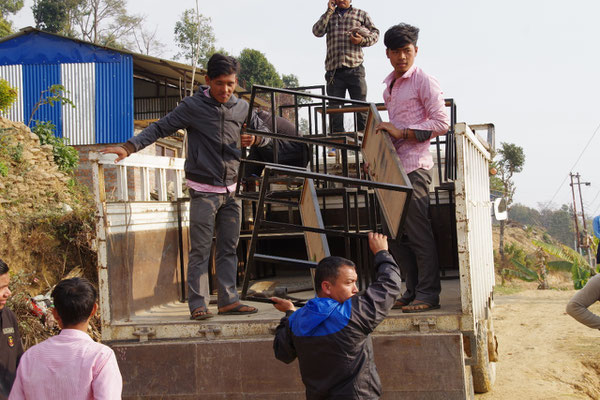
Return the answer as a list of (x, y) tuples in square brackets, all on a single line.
[(543, 352)]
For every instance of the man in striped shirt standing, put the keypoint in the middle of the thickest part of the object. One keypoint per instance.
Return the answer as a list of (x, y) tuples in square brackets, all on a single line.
[(348, 30), (417, 114)]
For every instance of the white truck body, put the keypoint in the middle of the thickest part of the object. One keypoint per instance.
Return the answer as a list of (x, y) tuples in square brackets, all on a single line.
[(141, 311)]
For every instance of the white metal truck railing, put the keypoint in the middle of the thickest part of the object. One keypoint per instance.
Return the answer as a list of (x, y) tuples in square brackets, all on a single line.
[(147, 165), (122, 216), (473, 223)]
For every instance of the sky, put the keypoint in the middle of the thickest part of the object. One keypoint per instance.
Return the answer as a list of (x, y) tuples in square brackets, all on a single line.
[(529, 67)]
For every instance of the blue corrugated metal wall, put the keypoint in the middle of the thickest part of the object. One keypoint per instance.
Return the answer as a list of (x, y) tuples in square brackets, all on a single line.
[(42, 57), (114, 101), (36, 79)]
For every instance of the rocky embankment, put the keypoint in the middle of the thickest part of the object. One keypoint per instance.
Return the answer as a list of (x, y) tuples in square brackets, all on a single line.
[(46, 226), (30, 181)]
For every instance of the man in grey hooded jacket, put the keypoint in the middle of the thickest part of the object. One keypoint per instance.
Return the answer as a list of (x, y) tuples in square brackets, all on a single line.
[(214, 118), (330, 335)]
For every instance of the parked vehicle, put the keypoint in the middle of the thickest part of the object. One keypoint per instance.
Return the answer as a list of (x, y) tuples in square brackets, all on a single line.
[(142, 251)]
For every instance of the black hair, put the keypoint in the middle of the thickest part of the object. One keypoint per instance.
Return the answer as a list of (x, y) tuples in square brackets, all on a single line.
[(328, 270), (74, 300), (400, 35), (3, 267), (219, 64)]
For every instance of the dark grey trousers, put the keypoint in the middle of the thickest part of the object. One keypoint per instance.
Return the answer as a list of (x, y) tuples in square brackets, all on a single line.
[(352, 80), (211, 214), (415, 249)]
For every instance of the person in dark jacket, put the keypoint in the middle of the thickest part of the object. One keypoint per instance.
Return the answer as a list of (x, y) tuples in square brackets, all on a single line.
[(330, 335), (289, 152), (11, 348), (214, 119)]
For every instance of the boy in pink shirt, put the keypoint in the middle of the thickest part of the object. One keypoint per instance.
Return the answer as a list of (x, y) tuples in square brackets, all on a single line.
[(417, 114), (70, 365)]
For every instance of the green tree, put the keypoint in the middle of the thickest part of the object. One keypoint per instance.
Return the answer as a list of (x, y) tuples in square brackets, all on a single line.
[(511, 162), (559, 223), (147, 42), (512, 159), (195, 37), (570, 260), (54, 94), (65, 156), (525, 215), (8, 95), (257, 70), (105, 22), (55, 16), (290, 81), (533, 269), (8, 7)]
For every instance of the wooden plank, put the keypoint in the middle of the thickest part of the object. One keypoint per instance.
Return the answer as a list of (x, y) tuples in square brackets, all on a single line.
[(385, 167), (310, 214), (349, 109)]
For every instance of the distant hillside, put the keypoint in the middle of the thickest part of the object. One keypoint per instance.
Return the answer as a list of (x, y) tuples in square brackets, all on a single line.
[(557, 222), (520, 235)]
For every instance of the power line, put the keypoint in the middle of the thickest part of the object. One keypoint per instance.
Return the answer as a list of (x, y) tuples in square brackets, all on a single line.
[(594, 199), (574, 165), (596, 210)]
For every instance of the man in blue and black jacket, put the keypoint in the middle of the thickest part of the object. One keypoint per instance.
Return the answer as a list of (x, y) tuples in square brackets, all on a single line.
[(330, 335)]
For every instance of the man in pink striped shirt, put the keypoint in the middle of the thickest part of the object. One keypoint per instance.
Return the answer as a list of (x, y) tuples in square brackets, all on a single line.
[(417, 114), (71, 365)]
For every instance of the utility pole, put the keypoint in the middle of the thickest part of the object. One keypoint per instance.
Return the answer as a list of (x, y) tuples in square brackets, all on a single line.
[(577, 241), (581, 244)]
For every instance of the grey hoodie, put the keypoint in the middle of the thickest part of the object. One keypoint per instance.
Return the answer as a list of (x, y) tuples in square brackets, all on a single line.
[(213, 136)]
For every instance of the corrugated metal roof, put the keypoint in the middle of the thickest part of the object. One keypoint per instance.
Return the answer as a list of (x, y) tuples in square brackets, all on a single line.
[(99, 80), (144, 66)]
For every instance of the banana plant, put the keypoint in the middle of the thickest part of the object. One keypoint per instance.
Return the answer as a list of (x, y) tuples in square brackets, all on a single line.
[(570, 260)]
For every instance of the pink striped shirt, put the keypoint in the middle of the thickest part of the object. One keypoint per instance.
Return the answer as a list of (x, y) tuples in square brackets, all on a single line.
[(415, 101), (206, 188), (68, 366)]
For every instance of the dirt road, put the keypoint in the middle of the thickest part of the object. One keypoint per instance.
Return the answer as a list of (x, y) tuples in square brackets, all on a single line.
[(544, 353)]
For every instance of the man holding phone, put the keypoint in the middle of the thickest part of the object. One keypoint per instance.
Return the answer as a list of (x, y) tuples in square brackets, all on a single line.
[(348, 30)]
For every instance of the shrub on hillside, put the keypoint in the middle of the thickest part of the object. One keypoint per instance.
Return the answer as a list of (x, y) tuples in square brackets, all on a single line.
[(65, 156), (8, 95)]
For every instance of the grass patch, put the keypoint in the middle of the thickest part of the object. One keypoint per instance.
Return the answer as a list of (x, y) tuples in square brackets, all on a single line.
[(505, 290)]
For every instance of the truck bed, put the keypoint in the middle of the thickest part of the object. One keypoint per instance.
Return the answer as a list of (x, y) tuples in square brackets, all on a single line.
[(171, 320)]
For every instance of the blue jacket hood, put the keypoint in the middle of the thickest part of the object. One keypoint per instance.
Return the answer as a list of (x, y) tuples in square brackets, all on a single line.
[(320, 316)]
